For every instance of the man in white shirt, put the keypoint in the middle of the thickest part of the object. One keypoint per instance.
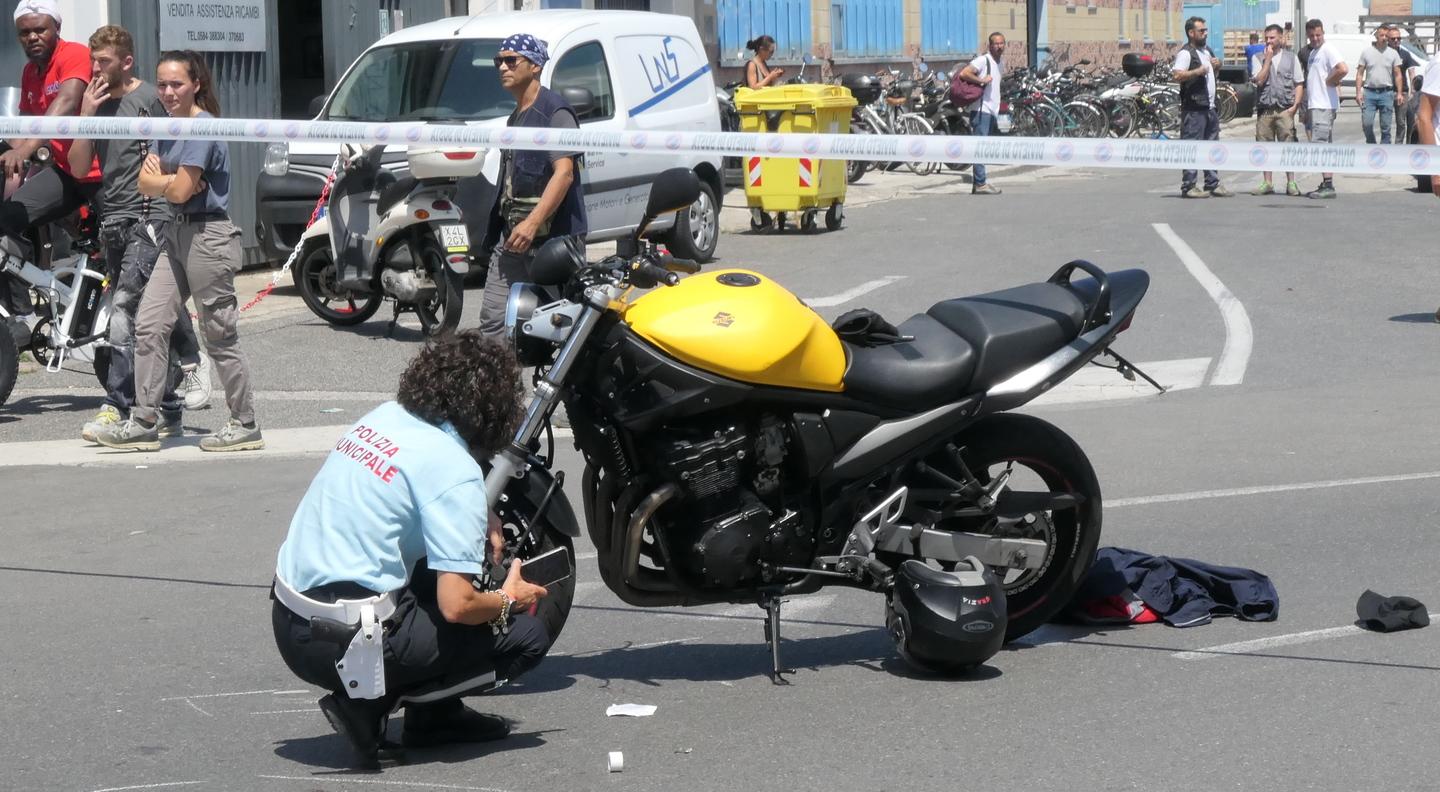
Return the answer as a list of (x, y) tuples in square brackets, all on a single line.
[(1194, 68), (1281, 83), (1322, 92), (985, 71)]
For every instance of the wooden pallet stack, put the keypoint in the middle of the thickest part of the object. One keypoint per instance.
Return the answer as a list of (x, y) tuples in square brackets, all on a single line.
[(1235, 43)]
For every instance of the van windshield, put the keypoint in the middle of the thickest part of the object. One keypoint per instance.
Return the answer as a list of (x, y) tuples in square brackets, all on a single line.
[(423, 81)]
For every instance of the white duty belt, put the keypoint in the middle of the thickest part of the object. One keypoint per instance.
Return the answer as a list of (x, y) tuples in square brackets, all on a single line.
[(362, 668)]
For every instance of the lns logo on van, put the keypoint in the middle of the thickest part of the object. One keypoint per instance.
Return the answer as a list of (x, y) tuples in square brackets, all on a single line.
[(666, 67)]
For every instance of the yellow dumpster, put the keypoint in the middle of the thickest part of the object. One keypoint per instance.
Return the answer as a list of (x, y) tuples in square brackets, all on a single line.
[(781, 185)]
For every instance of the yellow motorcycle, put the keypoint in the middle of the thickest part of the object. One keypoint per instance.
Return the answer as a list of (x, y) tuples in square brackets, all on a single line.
[(739, 449)]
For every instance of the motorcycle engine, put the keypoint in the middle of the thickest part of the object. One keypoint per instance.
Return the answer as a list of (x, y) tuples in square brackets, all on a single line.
[(733, 515)]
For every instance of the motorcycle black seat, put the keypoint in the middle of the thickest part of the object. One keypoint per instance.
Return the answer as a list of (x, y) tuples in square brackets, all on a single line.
[(394, 192), (1013, 329), (929, 371)]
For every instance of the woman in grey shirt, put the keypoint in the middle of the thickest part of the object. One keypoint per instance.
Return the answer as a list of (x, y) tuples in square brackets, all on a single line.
[(200, 257)]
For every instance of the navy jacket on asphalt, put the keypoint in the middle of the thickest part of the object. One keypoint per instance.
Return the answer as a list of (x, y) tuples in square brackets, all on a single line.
[(1185, 592)]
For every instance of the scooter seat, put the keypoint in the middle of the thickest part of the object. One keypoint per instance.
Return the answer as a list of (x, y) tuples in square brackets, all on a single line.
[(929, 371), (1012, 329), (393, 193)]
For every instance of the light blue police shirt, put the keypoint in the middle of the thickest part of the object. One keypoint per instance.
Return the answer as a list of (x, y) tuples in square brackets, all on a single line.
[(394, 489)]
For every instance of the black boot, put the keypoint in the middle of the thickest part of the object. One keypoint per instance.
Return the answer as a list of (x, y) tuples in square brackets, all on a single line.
[(449, 721), (362, 723)]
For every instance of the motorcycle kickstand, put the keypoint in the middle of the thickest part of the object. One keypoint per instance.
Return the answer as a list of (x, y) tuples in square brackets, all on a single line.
[(771, 604), (394, 320), (1126, 365)]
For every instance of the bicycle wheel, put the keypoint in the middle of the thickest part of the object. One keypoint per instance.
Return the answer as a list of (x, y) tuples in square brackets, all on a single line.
[(1227, 103), (1090, 121), (1124, 115), (918, 125), (855, 169)]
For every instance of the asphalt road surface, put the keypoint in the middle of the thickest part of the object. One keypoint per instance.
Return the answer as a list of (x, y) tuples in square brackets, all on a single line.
[(1299, 440)]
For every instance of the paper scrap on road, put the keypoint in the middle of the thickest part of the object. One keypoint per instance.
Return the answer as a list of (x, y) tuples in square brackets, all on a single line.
[(331, 410), (631, 710), (615, 762)]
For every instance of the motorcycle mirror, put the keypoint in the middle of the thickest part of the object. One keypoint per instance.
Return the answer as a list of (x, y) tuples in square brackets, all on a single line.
[(807, 59), (581, 100), (556, 261), (673, 190), (1084, 62)]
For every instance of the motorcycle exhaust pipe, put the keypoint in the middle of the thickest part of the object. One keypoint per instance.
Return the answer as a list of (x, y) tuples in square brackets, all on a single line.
[(636, 531)]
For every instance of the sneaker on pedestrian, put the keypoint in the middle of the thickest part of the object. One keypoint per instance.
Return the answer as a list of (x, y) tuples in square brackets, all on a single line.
[(1220, 191), (234, 436), (1194, 192), (108, 418), (170, 425), (985, 189), (1323, 192), (1293, 189), (130, 435), (195, 387), (1265, 188)]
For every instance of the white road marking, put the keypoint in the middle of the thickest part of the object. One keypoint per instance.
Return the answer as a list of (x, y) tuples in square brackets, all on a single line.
[(851, 294), (286, 712), (151, 786), (275, 396), (1094, 383), (228, 695), (348, 780), (1239, 336), (1272, 488), (197, 708), (625, 648), (1262, 644)]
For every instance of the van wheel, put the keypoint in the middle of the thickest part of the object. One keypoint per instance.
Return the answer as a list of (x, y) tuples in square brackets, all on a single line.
[(697, 229)]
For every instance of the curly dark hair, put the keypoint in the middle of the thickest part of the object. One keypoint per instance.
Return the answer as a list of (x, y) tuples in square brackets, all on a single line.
[(470, 380)]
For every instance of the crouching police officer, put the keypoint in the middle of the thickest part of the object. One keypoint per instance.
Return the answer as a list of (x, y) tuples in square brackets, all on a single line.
[(373, 590)]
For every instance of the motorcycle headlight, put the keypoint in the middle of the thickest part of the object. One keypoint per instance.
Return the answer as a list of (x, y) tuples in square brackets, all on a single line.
[(524, 299), (277, 159)]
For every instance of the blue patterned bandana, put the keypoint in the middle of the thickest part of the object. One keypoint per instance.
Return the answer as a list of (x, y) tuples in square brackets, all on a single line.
[(528, 47)]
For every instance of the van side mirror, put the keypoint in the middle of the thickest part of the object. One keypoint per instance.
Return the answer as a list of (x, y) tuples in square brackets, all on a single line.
[(581, 100), (316, 105), (673, 190)]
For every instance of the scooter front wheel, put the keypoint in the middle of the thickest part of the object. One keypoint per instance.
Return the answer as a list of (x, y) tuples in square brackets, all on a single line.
[(441, 313), (316, 278)]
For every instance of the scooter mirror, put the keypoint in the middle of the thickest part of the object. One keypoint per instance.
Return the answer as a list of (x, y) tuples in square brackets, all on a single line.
[(924, 67), (807, 59), (673, 190), (581, 100)]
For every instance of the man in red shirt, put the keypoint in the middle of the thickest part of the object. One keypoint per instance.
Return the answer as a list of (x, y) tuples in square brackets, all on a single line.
[(53, 83)]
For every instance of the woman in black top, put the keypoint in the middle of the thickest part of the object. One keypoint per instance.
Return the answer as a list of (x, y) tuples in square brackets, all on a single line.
[(757, 73)]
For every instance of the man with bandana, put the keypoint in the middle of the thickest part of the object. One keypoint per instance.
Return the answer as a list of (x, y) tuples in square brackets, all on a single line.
[(540, 194)]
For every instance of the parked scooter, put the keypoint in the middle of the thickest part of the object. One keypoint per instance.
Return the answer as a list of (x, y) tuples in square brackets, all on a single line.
[(386, 237), (72, 302)]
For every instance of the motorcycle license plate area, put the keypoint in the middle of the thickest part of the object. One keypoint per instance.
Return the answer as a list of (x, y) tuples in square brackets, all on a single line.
[(455, 238)]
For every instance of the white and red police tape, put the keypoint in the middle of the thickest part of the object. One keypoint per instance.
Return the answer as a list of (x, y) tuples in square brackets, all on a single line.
[(1058, 152)]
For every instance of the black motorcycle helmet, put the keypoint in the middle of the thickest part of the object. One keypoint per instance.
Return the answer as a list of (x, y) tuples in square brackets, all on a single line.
[(946, 622)]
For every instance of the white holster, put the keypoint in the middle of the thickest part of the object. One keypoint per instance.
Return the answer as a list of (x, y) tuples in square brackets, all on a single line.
[(362, 668)]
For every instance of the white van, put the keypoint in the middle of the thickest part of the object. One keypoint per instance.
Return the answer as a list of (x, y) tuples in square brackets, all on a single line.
[(1351, 45), (642, 72)]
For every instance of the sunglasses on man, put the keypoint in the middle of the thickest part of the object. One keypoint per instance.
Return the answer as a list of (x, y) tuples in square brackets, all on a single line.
[(508, 61)]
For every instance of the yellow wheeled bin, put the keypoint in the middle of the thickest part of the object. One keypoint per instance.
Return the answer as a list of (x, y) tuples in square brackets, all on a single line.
[(782, 186)]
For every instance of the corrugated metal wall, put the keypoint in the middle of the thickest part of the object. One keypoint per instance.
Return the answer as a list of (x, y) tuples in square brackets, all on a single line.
[(788, 21), (872, 28), (353, 25), (1427, 8), (948, 26), (247, 85)]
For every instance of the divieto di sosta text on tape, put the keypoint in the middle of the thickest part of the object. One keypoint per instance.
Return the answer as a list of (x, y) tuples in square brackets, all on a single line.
[(1056, 152)]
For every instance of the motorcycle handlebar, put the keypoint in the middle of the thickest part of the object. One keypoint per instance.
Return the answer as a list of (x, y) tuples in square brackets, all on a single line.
[(683, 266), (645, 274)]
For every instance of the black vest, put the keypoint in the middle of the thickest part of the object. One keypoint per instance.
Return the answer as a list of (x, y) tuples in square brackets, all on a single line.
[(532, 171), (1195, 92)]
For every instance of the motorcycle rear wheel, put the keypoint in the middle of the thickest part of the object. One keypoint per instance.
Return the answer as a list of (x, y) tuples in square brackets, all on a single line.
[(1037, 450)]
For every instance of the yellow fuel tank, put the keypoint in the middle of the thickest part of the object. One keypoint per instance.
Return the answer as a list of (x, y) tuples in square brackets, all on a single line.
[(743, 326)]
